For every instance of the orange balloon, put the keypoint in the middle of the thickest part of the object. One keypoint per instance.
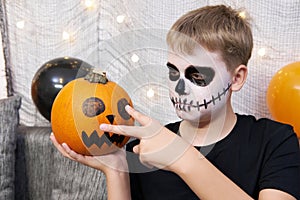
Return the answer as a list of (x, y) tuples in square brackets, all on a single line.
[(283, 96)]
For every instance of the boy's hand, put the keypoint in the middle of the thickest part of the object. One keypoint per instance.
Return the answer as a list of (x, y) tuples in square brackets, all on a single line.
[(158, 146), (106, 163)]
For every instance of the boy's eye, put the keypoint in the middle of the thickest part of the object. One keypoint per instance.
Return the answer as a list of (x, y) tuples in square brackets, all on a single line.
[(198, 79), (173, 75), (201, 76), (173, 72)]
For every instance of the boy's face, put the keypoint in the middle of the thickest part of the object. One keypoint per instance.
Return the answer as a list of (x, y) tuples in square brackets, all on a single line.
[(199, 84)]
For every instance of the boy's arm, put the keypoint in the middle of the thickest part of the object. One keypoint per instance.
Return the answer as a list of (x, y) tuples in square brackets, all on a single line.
[(118, 186), (209, 183), (205, 179)]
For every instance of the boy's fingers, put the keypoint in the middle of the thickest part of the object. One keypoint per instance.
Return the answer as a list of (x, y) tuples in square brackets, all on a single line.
[(71, 154), (152, 128), (56, 144), (120, 129), (136, 149), (142, 119), (59, 147)]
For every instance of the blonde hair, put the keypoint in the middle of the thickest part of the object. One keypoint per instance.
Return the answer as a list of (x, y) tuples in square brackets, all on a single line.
[(217, 29)]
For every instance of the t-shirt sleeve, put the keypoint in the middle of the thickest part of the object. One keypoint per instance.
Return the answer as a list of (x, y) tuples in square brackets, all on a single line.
[(281, 167)]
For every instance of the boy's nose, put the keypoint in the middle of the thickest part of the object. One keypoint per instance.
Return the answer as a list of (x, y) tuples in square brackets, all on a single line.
[(180, 87)]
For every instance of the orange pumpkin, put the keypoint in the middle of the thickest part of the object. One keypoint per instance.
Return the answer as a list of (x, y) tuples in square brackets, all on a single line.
[(81, 106)]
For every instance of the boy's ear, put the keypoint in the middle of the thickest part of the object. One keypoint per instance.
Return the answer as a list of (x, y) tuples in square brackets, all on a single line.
[(239, 77)]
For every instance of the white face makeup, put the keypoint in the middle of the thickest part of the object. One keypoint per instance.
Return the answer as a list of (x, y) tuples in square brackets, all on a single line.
[(199, 84)]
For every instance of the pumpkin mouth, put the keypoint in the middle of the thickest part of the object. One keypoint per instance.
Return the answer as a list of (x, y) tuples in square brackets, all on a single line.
[(106, 138)]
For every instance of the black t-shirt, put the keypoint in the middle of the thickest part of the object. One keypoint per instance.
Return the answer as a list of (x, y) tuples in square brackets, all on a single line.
[(257, 154)]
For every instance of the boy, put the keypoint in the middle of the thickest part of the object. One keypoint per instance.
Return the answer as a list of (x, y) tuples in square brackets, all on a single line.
[(212, 153)]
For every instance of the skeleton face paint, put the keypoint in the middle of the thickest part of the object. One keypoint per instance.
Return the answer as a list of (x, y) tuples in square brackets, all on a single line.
[(199, 84)]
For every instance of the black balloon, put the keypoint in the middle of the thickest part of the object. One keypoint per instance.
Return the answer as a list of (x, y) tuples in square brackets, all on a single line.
[(51, 77)]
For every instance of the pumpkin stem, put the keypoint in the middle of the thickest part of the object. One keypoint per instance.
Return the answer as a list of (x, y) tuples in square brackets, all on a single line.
[(96, 76)]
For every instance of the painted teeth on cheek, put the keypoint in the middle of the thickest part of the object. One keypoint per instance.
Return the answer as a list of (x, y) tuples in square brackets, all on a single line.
[(190, 105), (181, 104), (198, 105)]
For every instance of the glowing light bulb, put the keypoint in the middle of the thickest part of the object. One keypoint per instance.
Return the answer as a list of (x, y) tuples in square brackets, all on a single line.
[(150, 93), (261, 52), (242, 14), (66, 35), (20, 24), (135, 58), (89, 3), (120, 19)]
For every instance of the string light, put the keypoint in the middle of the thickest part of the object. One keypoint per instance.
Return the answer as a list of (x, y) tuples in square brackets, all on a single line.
[(135, 58), (120, 18), (242, 14), (66, 35), (261, 52), (150, 93), (89, 3), (20, 24)]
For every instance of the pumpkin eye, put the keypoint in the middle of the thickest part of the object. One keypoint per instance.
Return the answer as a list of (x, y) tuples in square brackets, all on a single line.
[(92, 107), (121, 109)]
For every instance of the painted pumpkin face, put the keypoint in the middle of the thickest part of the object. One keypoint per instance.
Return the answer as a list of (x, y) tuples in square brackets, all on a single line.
[(78, 110)]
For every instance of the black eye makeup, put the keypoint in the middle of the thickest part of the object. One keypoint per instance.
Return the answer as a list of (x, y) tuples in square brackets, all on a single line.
[(201, 76), (173, 72)]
